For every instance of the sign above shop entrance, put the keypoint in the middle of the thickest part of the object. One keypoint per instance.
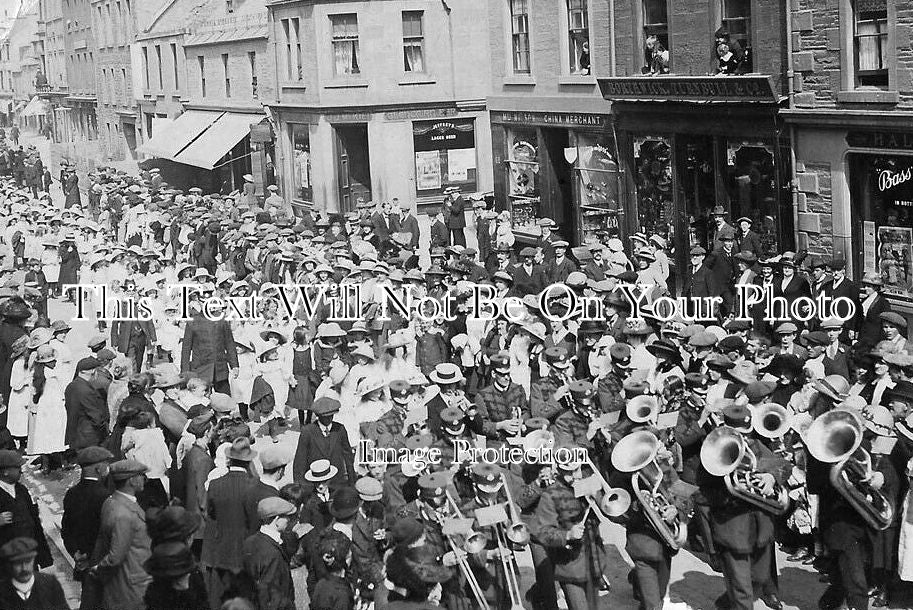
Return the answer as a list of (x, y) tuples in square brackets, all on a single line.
[(689, 88), (551, 119), (888, 140)]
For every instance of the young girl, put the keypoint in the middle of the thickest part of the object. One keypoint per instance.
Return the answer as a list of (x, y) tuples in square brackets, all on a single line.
[(20, 392), (301, 394), (272, 369), (247, 365), (48, 423), (144, 442)]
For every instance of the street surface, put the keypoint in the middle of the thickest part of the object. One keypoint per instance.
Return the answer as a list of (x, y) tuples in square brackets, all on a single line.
[(693, 585)]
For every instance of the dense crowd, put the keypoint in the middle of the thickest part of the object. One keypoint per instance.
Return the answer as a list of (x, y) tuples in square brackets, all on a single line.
[(225, 463)]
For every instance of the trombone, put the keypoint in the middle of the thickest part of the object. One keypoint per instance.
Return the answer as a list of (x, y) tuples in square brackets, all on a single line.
[(615, 502), (516, 533), (474, 543)]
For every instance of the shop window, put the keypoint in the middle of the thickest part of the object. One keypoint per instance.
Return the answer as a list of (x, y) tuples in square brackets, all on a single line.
[(882, 200), (578, 44), (519, 32), (345, 44), (445, 155), (752, 187), (597, 184), (870, 42), (653, 179), (301, 163), (656, 36), (523, 179), (413, 42)]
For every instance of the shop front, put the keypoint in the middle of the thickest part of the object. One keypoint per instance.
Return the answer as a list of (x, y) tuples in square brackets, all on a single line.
[(685, 155), (561, 166)]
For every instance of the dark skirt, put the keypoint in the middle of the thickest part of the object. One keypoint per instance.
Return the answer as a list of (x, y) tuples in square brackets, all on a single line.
[(301, 397)]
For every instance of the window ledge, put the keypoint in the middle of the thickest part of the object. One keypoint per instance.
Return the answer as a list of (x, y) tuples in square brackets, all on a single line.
[(346, 84), (422, 79), (868, 96), (525, 80), (300, 86), (576, 79)]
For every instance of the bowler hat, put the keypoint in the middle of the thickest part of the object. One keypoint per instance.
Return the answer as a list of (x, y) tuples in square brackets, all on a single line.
[(240, 450), (171, 559), (345, 503)]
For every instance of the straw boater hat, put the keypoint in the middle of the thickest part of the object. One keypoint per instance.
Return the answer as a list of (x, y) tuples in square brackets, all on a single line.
[(320, 471)]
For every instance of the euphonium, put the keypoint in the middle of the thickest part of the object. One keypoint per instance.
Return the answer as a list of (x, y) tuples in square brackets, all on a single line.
[(725, 453), (770, 420), (835, 438), (642, 409), (636, 453)]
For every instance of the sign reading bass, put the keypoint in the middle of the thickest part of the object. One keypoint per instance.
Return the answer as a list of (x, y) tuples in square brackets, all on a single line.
[(701, 88), (888, 179)]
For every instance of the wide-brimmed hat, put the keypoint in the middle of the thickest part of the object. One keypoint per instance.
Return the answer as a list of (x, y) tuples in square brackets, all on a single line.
[(170, 560), (345, 503), (40, 336), (369, 384), (172, 523), (665, 349), (835, 387), (240, 450), (320, 471)]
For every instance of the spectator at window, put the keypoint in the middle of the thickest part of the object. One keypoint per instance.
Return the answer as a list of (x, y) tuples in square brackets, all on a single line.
[(659, 62), (728, 62), (722, 36), (585, 58)]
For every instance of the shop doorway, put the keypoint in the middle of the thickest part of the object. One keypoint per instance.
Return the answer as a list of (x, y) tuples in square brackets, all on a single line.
[(353, 166), (697, 185), (561, 181)]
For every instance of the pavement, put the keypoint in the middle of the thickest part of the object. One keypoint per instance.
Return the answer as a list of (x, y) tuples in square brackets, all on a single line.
[(693, 584)]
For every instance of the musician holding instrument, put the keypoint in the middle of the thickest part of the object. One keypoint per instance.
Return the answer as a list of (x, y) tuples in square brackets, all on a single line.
[(579, 426), (545, 394), (610, 387), (740, 475), (502, 406)]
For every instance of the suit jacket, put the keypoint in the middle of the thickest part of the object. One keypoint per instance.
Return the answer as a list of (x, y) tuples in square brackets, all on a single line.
[(26, 522), (122, 330), (409, 224), (257, 491), (529, 282), (457, 218), (749, 242), (483, 237), (226, 521), (440, 236), (849, 290), (122, 548), (208, 349), (47, 594), (197, 466), (266, 568), (383, 227), (87, 413), (81, 522), (313, 445), (797, 287), (870, 324), (700, 284), (558, 272)]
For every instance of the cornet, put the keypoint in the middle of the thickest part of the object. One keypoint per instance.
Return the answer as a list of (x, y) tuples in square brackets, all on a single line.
[(725, 453), (835, 438), (636, 453)]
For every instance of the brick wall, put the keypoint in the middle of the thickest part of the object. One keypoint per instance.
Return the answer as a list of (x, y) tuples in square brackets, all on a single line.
[(815, 228), (238, 70)]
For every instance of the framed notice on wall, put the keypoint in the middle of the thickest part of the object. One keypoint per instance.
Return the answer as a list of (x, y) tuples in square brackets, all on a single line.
[(895, 259)]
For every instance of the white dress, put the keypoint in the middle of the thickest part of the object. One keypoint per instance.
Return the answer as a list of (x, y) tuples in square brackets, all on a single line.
[(21, 392), (47, 432), (50, 259), (275, 375), (905, 548), (242, 387)]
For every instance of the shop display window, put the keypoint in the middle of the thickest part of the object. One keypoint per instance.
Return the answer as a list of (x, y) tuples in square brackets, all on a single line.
[(597, 182), (523, 179), (301, 161), (653, 179), (752, 186)]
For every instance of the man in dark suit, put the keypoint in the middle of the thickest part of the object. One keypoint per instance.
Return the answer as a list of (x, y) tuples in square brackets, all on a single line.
[(87, 413), (18, 512), (408, 223), (132, 337), (440, 237), (82, 516), (529, 278), (226, 525), (720, 226), (274, 461), (790, 285), (872, 306), (384, 224), (265, 561), (700, 284), (722, 267), (560, 265), (325, 439), (483, 233), (747, 240), (208, 349), (44, 593), (836, 354), (546, 241), (456, 219), (842, 286)]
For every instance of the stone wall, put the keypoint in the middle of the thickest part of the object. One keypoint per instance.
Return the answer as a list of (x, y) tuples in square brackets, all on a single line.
[(815, 229)]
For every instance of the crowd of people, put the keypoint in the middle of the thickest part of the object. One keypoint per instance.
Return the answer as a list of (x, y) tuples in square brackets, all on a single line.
[(226, 463)]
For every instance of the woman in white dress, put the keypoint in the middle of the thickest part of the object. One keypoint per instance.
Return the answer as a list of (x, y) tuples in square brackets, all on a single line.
[(47, 432), (50, 261), (20, 392)]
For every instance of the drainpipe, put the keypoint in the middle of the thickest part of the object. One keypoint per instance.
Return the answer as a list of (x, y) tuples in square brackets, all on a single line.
[(791, 93), (612, 68)]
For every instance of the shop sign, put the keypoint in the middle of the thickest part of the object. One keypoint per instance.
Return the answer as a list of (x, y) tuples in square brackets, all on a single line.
[(261, 133), (444, 135), (557, 119), (689, 88), (420, 113), (880, 139)]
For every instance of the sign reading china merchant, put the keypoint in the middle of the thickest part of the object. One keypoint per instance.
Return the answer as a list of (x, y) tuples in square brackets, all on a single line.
[(557, 119), (689, 88)]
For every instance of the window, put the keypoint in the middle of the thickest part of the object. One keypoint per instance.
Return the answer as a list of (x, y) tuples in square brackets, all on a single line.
[(578, 42), (656, 23), (158, 56), (290, 28), (174, 64), (252, 58), (870, 42), (413, 42), (123, 78), (737, 21), (146, 67), (225, 73), (301, 165), (445, 155), (519, 30), (202, 61), (522, 178), (345, 44)]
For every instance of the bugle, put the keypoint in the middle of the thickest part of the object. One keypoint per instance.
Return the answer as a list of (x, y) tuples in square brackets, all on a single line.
[(835, 438), (725, 453), (636, 453)]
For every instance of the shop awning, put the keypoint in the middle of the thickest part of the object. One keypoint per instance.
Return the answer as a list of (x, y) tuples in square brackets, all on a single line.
[(36, 107), (217, 140), (173, 138)]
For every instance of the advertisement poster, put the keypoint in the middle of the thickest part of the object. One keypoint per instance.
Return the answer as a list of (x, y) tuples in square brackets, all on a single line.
[(895, 259), (868, 247), (459, 162), (428, 170)]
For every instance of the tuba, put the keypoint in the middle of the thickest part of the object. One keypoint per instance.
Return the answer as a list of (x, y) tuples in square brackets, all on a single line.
[(643, 409), (772, 421), (725, 453), (636, 453), (835, 438)]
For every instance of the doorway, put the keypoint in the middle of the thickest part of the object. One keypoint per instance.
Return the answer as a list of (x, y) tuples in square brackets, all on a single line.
[(697, 186), (353, 166), (560, 183)]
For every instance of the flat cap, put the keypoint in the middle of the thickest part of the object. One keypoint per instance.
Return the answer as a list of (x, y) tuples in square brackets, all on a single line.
[(93, 455), (273, 457), (892, 317), (124, 469), (10, 459), (87, 364), (325, 405), (267, 508), (369, 489), (19, 549)]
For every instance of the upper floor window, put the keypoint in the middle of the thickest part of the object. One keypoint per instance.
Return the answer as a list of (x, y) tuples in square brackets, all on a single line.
[(656, 36), (146, 67), (732, 45), (345, 44), (519, 33), (291, 31), (413, 42), (578, 25), (252, 59), (870, 42), (225, 74), (202, 61), (174, 65), (158, 58)]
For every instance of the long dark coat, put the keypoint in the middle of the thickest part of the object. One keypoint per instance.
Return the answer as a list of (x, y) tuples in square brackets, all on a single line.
[(69, 264), (87, 415), (71, 191), (26, 522), (208, 349)]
